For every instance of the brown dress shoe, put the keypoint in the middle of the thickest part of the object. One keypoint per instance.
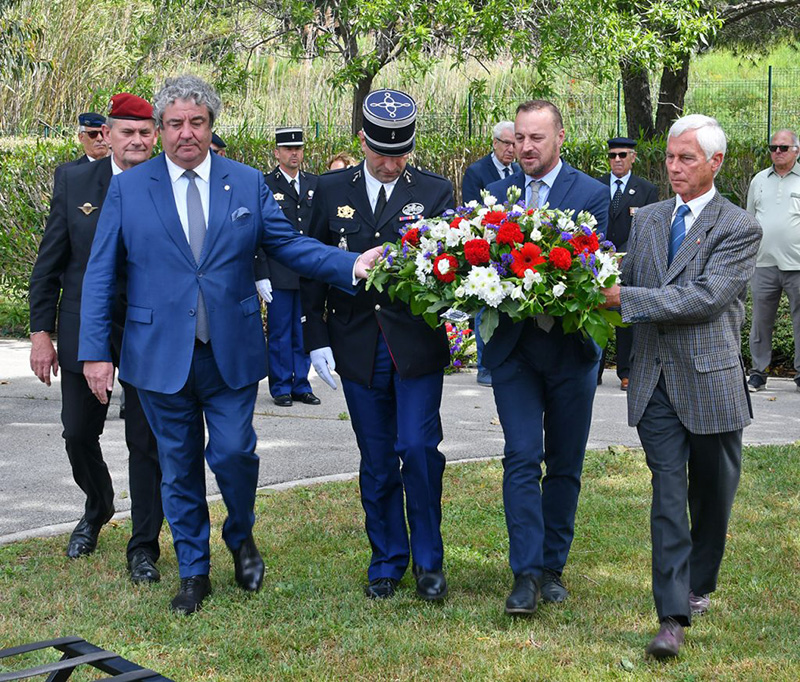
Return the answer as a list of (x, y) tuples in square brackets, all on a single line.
[(668, 641), (623, 384)]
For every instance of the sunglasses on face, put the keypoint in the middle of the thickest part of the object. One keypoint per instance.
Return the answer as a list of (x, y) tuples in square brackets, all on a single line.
[(781, 147), (92, 133), (614, 155)]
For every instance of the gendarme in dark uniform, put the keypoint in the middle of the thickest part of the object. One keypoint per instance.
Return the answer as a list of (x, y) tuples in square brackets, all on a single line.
[(289, 363), (90, 135), (390, 361), (55, 292)]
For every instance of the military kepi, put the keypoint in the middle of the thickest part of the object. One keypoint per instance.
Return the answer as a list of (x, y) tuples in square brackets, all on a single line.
[(615, 142), (289, 137), (129, 107), (389, 122), (91, 120)]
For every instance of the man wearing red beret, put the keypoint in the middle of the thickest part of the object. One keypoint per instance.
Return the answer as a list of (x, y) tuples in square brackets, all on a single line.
[(55, 293)]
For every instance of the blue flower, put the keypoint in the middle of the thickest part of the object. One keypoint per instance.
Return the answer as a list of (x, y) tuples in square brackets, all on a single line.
[(586, 230), (566, 236)]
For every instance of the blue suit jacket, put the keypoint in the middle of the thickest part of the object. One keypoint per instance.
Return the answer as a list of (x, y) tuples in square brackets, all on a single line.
[(572, 189), (480, 175), (139, 229)]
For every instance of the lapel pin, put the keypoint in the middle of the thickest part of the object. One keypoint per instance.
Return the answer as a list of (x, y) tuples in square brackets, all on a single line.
[(87, 208), (631, 191), (227, 187)]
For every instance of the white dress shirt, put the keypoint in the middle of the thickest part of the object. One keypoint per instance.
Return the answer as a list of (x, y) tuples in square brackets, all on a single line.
[(374, 187), (290, 180), (180, 185), (546, 181), (696, 205), (613, 183)]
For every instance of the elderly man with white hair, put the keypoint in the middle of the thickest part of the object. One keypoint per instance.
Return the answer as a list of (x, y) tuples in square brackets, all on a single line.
[(685, 280)]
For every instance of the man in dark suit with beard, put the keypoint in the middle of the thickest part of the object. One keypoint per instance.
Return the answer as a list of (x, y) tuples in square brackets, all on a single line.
[(58, 274), (390, 361), (544, 381), (628, 193), (278, 285)]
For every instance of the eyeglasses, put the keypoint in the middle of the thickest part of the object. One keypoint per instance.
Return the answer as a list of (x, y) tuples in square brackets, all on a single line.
[(614, 155), (505, 142), (781, 147), (92, 133)]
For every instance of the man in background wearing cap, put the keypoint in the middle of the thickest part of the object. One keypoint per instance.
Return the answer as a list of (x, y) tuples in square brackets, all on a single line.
[(628, 193), (186, 227), (90, 135), (390, 361), (218, 144), (59, 270), (278, 285)]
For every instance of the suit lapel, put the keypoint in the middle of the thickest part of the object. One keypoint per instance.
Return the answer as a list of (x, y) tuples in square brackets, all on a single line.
[(357, 197), (627, 198), (219, 201), (403, 193), (563, 182), (658, 234), (164, 202)]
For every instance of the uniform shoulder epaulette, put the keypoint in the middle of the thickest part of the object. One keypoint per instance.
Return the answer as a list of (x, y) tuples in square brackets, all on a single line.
[(428, 173)]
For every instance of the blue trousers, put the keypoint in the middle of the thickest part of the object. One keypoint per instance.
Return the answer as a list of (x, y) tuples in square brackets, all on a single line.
[(177, 422), (288, 362), (544, 393), (398, 430)]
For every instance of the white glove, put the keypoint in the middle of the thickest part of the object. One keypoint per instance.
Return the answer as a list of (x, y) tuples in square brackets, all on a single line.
[(324, 364), (264, 288)]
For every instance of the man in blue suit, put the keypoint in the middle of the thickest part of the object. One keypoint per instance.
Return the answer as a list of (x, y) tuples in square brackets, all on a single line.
[(193, 343), (544, 381), (499, 164)]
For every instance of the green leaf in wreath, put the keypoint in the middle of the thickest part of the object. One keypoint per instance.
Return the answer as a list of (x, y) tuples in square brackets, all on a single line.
[(489, 320)]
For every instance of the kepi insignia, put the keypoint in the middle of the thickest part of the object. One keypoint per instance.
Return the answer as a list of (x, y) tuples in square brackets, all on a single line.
[(413, 209), (345, 212), (87, 208)]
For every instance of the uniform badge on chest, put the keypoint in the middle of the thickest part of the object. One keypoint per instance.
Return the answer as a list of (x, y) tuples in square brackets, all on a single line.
[(279, 196), (87, 208), (413, 209), (345, 212)]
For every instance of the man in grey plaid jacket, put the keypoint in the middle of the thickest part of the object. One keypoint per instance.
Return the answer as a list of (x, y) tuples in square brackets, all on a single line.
[(684, 285)]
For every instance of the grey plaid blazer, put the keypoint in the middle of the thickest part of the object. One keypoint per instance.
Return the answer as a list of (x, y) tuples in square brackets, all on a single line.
[(688, 317)]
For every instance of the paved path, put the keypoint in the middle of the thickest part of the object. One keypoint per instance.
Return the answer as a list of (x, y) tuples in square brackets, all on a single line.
[(39, 497)]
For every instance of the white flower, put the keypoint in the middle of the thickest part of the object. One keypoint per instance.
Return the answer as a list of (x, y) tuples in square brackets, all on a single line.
[(607, 266), (536, 235), (489, 200), (565, 224), (485, 283), (472, 204), (423, 267), (443, 266), (460, 292), (559, 289), (428, 245), (438, 230), (517, 294), (531, 277)]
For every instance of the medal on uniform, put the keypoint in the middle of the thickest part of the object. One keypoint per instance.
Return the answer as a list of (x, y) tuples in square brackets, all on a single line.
[(87, 208), (345, 212)]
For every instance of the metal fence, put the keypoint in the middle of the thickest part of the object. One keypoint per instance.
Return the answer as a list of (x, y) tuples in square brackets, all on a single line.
[(746, 109)]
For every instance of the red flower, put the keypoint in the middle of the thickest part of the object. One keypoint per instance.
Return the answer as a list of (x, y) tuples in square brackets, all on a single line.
[(411, 237), (561, 258), (494, 218), (510, 234), (476, 251), (444, 267), (526, 258), (455, 222), (585, 243)]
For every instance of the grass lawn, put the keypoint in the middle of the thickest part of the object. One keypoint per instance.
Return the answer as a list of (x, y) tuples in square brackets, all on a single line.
[(312, 622)]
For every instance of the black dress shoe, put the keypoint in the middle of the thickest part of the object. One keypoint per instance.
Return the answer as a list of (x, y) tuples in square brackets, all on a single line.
[(381, 588), (524, 597), (307, 398), (431, 585), (194, 590), (83, 540), (284, 400), (249, 566), (142, 568), (553, 589)]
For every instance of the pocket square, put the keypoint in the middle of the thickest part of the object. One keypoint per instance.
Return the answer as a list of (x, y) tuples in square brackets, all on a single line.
[(240, 212)]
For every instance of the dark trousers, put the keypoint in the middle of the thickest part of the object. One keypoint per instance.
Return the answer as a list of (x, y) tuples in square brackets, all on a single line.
[(544, 393), (84, 417), (178, 424), (703, 471), (398, 430), (624, 337), (288, 362)]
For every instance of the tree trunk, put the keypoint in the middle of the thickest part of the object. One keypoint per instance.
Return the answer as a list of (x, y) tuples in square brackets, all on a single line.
[(672, 96), (638, 104), (360, 91)]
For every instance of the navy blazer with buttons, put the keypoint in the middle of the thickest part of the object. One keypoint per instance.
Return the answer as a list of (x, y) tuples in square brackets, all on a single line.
[(480, 175)]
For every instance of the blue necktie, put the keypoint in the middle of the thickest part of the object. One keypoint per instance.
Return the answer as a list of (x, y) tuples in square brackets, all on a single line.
[(506, 172), (677, 232)]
